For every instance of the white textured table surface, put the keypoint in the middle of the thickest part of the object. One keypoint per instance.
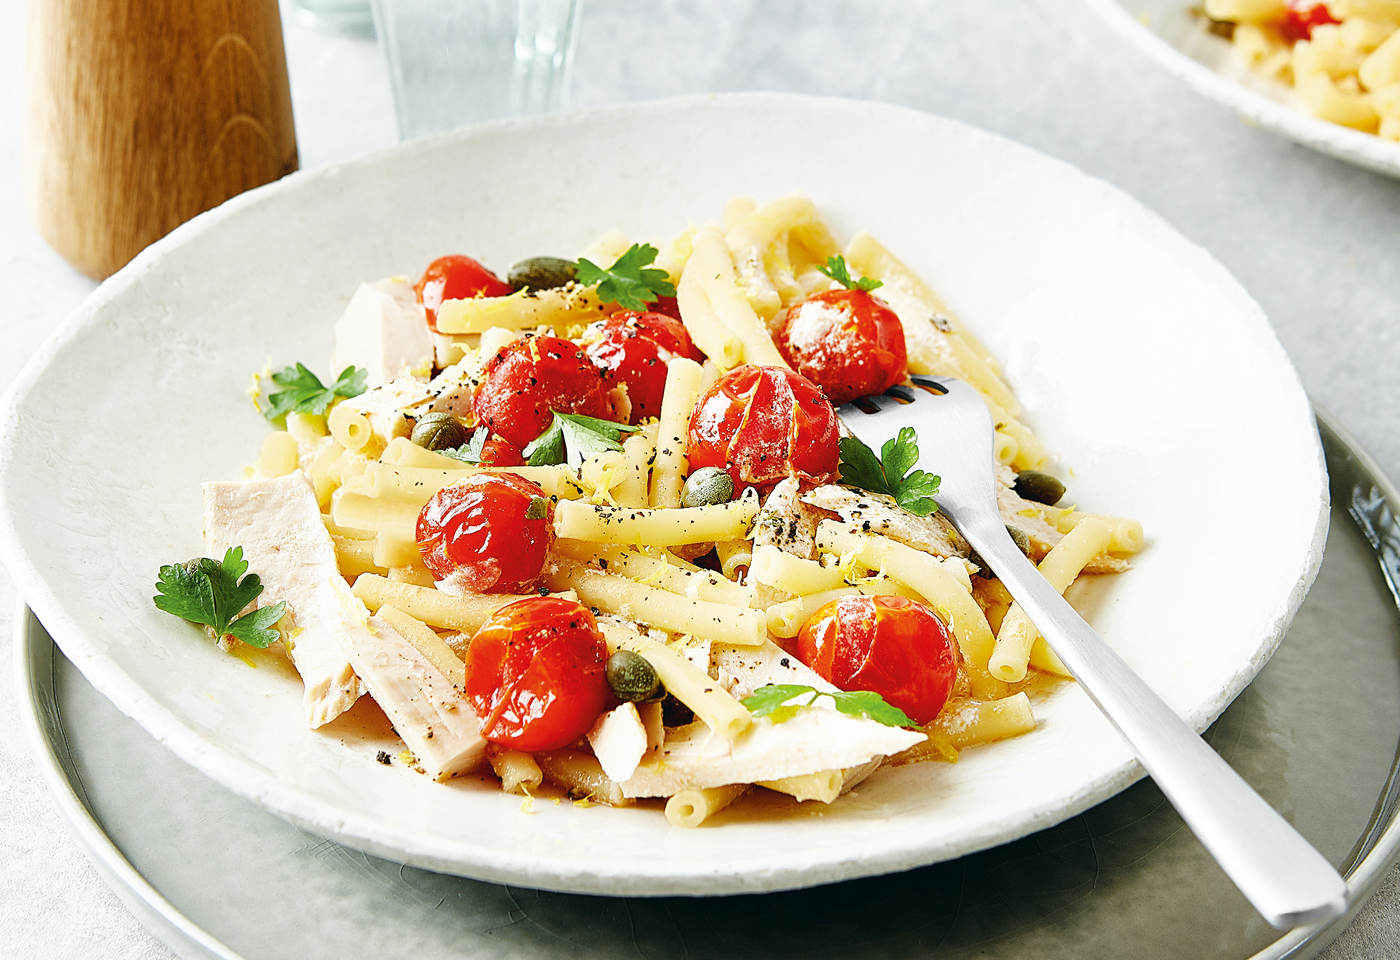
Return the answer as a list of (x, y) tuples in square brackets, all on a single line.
[(1315, 241)]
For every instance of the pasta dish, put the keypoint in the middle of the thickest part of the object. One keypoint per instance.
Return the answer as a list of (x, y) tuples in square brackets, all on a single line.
[(600, 529), (1341, 57)]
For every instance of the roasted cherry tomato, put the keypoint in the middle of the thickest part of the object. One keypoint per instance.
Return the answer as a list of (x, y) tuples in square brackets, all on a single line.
[(528, 379), (848, 342), (536, 674), (634, 350), (455, 277), (497, 452), (486, 534), (665, 305), (891, 645), (1302, 16), (763, 424)]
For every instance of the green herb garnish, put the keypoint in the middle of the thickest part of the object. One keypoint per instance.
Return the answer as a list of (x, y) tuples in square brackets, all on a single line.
[(208, 592), (890, 473), (628, 282), (836, 269), (573, 438), (303, 393), (469, 452), (772, 701)]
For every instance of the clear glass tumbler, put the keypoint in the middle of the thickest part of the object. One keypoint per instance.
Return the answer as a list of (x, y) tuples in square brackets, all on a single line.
[(454, 62), (349, 18)]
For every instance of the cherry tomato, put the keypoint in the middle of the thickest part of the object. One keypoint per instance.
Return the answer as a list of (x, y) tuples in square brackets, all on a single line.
[(536, 674), (529, 378), (1302, 16), (891, 645), (497, 452), (763, 424), (665, 305), (475, 538), (455, 277), (634, 350), (847, 342)]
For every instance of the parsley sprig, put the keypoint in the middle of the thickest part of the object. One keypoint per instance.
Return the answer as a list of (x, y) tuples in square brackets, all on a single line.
[(303, 392), (471, 451), (890, 473), (630, 282), (572, 438), (209, 592), (836, 269), (772, 701)]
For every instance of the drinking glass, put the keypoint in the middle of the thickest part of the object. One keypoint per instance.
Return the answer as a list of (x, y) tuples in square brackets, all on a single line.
[(350, 18), (454, 62)]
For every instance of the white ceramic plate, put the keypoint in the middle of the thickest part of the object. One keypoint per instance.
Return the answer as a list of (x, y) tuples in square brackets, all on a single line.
[(1166, 31), (1140, 361)]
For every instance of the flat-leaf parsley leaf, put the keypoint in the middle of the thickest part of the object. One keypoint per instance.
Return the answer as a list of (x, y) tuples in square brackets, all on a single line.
[(889, 474), (772, 701), (629, 282), (208, 592), (572, 438), (302, 392), (836, 269), (471, 451)]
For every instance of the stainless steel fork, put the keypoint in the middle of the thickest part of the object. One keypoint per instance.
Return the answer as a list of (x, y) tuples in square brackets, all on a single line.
[(1286, 880)]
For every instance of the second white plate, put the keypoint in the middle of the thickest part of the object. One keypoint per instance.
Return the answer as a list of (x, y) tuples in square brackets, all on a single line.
[(1167, 31)]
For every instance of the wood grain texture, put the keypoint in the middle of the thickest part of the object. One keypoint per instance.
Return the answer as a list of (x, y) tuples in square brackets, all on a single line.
[(143, 113)]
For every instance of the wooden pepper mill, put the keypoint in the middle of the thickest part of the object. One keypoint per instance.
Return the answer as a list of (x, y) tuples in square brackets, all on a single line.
[(143, 113)]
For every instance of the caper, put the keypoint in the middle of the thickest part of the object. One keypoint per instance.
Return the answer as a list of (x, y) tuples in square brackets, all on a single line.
[(439, 431), (541, 273), (706, 486), (1018, 537), (1040, 487), (1021, 538), (631, 677)]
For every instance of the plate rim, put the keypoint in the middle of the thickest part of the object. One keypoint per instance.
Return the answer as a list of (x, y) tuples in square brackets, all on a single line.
[(307, 809)]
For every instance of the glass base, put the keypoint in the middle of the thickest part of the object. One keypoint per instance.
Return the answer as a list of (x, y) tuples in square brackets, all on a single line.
[(348, 18)]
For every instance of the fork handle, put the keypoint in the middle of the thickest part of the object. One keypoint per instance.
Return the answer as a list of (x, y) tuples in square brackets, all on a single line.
[(1286, 880)]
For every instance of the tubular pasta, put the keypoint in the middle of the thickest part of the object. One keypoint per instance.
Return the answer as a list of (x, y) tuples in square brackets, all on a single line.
[(416, 485), (518, 771), (429, 605), (657, 607), (638, 451), (824, 786), (355, 557), (350, 427), (278, 456), (791, 574), (669, 464), (522, 311), (372, 513), (734, 556), (663, 571), (663, 528), (581, 774), (969, 722), (716, 311), (1125, 535), (690, 808), (1060, 566)]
